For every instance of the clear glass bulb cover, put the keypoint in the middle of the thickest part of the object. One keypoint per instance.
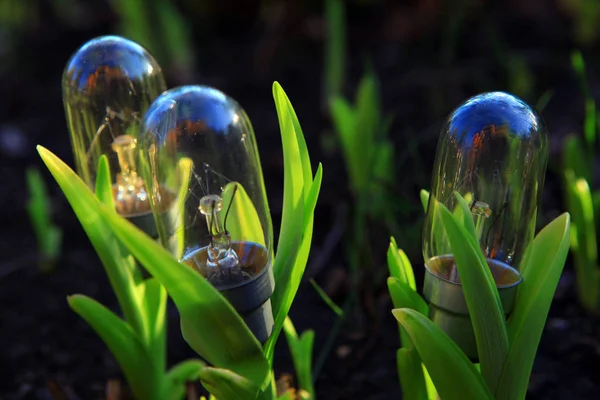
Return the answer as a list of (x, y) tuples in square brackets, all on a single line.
[(108, 84), (493, 150), (206, 186)]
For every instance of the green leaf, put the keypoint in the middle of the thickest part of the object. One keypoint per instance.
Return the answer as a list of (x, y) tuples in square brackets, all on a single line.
[(123, 343), (154, 310), (583, 240), (450, 369), (424, 195), (575, 158), (117, 264), (399, 265), (48, 235), (467, 216), (410, 371), (301, 349), (178, 376), (403, 296), (482, 298), (243, 220), (208, 322), (227, 385), (545, 263), (334, 307), (104, 186), (299, 201), (335, 48)]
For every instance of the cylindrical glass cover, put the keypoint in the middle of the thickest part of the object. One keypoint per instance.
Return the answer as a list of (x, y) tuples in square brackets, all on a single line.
[(206, 184), (493, 150), (108, 84)]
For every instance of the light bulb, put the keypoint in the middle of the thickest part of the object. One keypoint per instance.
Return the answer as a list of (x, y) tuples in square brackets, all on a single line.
[(202, 166), (493, 151), (108, 84)]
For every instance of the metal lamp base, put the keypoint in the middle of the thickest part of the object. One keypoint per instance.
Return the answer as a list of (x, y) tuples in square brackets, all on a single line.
[(448, 307), (252, 300), (252, 297), (145, 222)]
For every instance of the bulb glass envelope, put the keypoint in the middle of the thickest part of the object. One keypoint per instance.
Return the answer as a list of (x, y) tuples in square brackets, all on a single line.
[(493, 151), (108, 84)]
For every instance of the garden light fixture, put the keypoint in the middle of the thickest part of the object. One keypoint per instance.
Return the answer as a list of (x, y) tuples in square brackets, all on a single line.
[(202, 165), (108, 84), (492, 151)]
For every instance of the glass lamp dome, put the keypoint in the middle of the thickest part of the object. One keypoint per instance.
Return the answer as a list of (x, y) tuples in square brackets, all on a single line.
[(206, 188), (493, 151), (108, 84)]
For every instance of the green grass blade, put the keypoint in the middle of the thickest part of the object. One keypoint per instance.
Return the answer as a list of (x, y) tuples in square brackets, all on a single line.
[(48, 235), (117, 264), (482, 299), (297, 264), (178, 376), (155, 308), (583, 240), (399, 265), (227, 385), (209, 323), (424, 195), (334, 307), (467, 216), (410, 373), (104, 186), (123, 343), (300, 196), (335, 48), (453, 374), (403, 296), (575, 158), (526, 324), (301, 350)]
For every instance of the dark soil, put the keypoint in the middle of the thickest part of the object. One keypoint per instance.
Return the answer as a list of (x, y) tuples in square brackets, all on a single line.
[(425, 67)]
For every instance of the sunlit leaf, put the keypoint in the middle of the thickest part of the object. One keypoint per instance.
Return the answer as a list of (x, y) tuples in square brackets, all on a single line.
[(399, 265), (124, 344), (454, 375), (243, 220), (583, 240), (301, 349), (225, 384), (117, 264), (178, 376), (482, 298), (545, 261)]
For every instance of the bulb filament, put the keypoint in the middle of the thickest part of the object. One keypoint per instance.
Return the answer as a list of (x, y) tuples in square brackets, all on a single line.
[(223, 263), (131, 193)]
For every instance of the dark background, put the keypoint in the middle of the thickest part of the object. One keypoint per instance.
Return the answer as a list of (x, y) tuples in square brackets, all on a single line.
[(429, 57)]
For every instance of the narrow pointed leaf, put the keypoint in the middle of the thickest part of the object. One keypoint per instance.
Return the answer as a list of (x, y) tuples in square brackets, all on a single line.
[(399, 265), (482, 299), (410, 371), (117, 264), (424, 195), (583, 240), (123, 343), (453, 374), (540, 279), (301, 349), (178, 376), (209, 323), (227, 385), (155, 308)]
